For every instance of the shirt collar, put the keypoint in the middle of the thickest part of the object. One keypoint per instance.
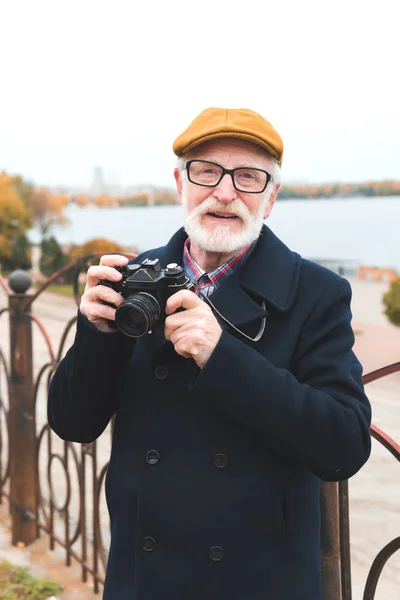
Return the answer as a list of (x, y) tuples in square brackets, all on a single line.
[(194, 271)]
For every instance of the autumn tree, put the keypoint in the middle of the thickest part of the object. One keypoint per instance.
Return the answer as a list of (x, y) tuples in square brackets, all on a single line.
[(5, 251), (96, 246), (24, 188), (13, 213), (135, 200), (166, 197), (391, 302), (82, 200), (14, 217), (47, 209), (105, 201)]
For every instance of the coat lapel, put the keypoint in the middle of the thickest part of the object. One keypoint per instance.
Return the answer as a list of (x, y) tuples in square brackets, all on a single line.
[(272, 272), (270, 276)]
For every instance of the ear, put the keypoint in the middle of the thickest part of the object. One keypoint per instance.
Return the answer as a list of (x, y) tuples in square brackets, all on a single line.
[(178, 181), (271, 201)]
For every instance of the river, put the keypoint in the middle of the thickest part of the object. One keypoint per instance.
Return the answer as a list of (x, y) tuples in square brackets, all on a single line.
[(363, 231)]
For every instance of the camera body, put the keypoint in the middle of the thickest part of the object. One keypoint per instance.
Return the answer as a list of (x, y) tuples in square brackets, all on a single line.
[(146, 288)]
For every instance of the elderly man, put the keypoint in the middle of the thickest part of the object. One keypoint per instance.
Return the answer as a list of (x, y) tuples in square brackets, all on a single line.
[(229, 416)]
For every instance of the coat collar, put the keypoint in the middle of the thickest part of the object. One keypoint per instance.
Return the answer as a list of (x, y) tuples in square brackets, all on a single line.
[(269, 276), (271, 273)]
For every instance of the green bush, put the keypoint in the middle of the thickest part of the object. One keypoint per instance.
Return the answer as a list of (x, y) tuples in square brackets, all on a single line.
[(21, 253), (16, 583), (52, 258), (391, 302), (15, 253)]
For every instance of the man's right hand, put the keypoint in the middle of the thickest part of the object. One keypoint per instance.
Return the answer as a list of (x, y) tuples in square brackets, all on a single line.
[(92, 306)]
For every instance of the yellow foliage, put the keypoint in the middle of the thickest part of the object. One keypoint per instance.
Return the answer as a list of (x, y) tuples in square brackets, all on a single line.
[(4, 178), (47, 209), (82, 200), (58, 203), (5, 248), (13, 214), (97, 246), (104, 200)]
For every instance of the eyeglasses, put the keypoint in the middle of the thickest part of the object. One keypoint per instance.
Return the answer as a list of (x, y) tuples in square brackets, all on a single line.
[(244, 179)]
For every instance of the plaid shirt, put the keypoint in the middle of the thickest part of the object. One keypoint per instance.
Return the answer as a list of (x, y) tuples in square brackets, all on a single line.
[(208, 282)]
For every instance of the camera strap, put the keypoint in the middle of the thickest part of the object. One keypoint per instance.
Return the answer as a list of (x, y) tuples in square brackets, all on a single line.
[(216, 312)]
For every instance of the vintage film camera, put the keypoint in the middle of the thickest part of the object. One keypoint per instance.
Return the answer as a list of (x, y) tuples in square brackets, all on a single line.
[(146, 288)]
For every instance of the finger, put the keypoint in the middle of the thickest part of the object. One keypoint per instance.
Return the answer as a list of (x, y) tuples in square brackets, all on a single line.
[(184, 320), (95, 310), (184, 349), (177, 335), (196, 330), (179, 318), (96, 274), (183, 299), (105, 294), (113, 260)]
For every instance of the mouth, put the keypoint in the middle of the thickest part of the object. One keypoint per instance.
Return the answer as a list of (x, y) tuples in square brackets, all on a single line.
[(222, 215)]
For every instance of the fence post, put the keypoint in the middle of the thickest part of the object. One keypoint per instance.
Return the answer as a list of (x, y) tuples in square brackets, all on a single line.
[(22, 418), (330, 542)]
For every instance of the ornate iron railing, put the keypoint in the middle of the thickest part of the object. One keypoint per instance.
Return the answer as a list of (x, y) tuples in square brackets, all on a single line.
[(30, 452)]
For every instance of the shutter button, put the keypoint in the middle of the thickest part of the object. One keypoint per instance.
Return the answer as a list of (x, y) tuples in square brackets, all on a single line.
[(149, 543), (152, 457), (216, 553), (161, 372), (220, 461)]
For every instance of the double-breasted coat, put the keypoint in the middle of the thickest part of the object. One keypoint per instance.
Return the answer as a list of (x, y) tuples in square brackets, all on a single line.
[(214, 479)]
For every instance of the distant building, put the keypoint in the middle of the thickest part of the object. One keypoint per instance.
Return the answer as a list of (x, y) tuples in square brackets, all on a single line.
[(98, 186), (386, 275), (346, 268)]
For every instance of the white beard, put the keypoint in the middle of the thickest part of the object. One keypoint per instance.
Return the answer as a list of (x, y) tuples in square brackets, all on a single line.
[(222, 239)]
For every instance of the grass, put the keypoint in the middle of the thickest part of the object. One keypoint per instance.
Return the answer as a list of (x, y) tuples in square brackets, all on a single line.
[(16, 583), (61, 289)]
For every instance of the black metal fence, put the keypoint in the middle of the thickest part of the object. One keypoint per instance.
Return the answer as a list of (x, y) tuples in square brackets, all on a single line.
[(36, 467)]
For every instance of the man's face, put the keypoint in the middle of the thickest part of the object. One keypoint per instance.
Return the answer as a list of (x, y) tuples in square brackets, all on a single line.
[(221, 219)]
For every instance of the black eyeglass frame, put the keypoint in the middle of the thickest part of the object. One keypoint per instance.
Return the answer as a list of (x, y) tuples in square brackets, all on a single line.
[(226, 172)]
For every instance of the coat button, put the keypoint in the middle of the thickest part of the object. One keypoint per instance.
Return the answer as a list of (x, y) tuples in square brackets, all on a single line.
[(220, 461), (161, 372), (152, 457), (216, 553), (149, 543)]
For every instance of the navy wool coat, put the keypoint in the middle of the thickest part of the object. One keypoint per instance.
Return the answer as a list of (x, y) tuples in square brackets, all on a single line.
[(213, 485)]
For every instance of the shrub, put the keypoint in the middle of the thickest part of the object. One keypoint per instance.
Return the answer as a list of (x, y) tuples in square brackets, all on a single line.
[(53, 257), (96, 246), (15, 254), (21, 253), (391, 302), (16, 583)]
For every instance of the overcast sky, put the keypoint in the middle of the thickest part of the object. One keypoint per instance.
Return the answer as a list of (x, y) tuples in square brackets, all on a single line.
[(112, 83)]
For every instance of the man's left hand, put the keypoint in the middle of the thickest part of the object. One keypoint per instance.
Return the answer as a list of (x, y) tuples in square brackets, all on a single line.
[(195, 331)]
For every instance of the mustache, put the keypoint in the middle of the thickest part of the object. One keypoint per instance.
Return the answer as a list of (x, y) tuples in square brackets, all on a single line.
[(211, 204)]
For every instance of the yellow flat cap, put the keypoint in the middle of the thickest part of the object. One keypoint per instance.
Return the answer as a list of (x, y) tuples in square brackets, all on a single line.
[(241, 123)]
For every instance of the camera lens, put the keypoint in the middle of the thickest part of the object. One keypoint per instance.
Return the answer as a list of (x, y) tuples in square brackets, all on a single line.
[(137, 315)]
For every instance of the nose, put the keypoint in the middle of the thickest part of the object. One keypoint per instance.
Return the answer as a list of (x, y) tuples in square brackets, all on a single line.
[(225, 191)]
